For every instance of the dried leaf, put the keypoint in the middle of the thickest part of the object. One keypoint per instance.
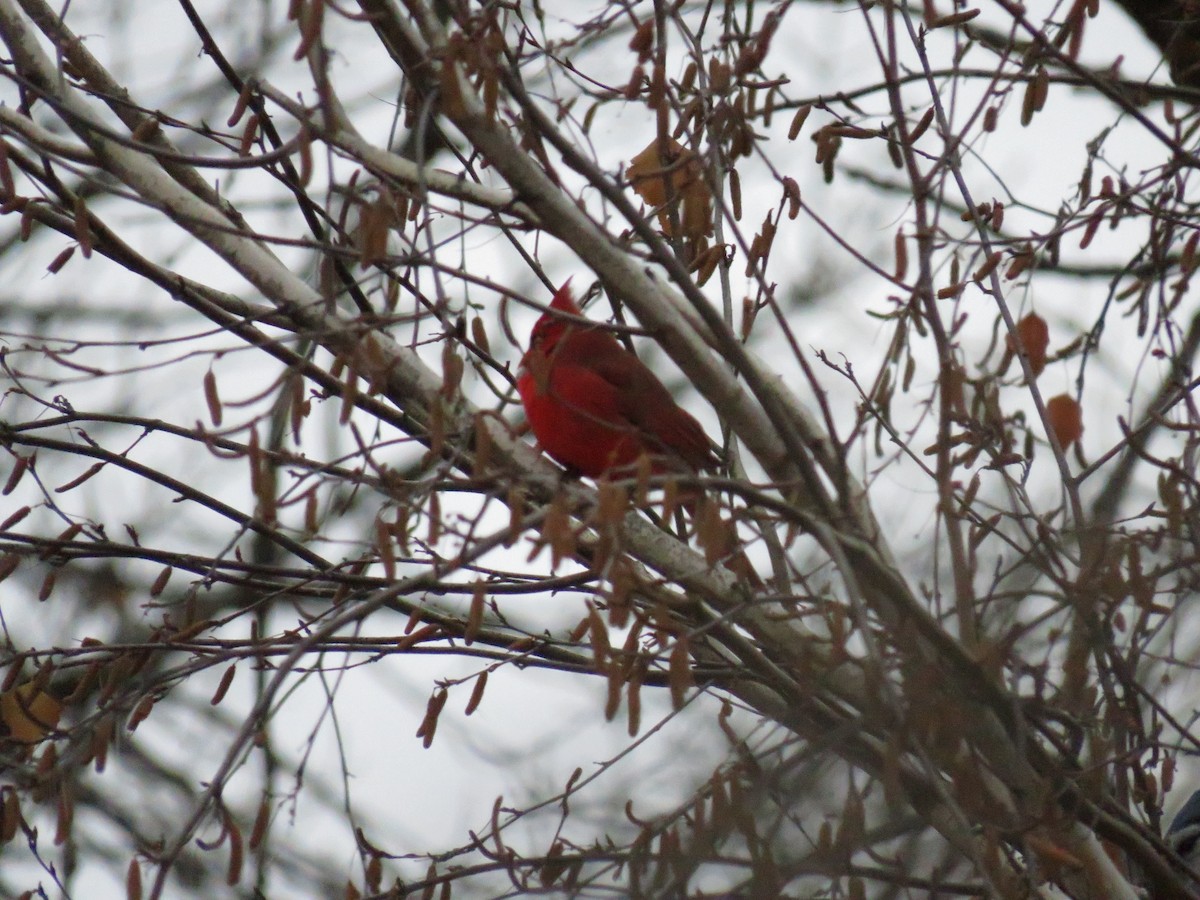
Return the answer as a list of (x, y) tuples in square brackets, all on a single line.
[(1036, 92), (261, 821), (9, 562), (140, 712), (29, 713), (79, 479), (10, 814), (160, 583), (1066, 419), (634, 702), (642, 42), (233, 874), (452, 371), (14, 478), (310, 16), (476, 693), (679, 672), (212, 398), (432, 711), (676, 175), (598, 636), (735, 194), (921, 127), (989, 266), (791, 192), (475, 615), (133, 881), (1022, 261), (901, 255), (83, 228), (953, 19), (798, 121), (479, 334), (385, 548), (61, 260), (66, 814), (435, 518), (249, 134), (613, 503), (8, 188), (223, 687), (1033, 336), (557, 532)]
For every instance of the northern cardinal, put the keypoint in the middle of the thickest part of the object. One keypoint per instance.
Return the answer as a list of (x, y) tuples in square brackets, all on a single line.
[(595, 407)]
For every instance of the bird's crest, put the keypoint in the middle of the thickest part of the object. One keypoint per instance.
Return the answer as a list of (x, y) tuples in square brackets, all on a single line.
[(564, 302), (550, 327)]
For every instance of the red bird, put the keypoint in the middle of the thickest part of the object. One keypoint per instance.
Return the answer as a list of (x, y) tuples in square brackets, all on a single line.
[(595, 407)]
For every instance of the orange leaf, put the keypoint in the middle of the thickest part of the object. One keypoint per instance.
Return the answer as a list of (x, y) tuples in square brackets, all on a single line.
[(29, 714), (1066, 418), (674, 175), (1033, 337)]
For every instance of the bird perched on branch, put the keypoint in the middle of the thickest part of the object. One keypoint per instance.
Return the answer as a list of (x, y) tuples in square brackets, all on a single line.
[(595, 407)]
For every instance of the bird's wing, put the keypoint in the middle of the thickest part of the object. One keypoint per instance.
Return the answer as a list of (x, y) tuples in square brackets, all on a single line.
[(647, 404), (584, 390)]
